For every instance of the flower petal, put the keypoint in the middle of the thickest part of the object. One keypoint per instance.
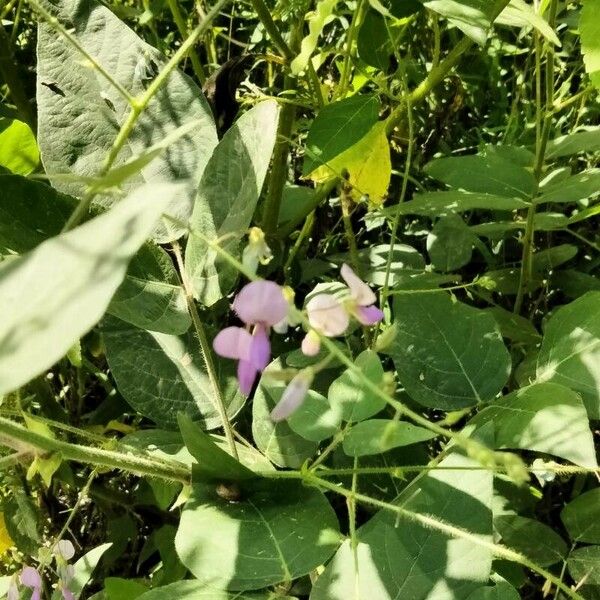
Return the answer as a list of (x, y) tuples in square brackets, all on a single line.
[(64, 549), (261, 302), (292, 397), (311, 344), (361, 293), (67, 594), (260, 350), (31, 578), (13, 591), (327, 315), (246, 373), (233, 342), (368, 315)]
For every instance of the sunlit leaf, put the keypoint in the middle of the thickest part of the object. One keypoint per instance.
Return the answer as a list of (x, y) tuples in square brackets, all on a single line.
[(18, 148), (589, 29)]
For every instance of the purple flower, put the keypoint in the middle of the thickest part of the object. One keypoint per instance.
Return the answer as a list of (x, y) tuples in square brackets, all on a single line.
[(260, 305), (31, 578), (293, 396), (362, 298)]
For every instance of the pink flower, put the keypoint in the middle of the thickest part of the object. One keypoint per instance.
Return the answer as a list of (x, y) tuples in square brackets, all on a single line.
[(64, 549), (293, 396), (330, 317), (260, 305), (31, 578)]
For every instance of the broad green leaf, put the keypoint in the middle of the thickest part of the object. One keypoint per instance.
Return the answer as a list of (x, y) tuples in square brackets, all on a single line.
[(56, 293), (376, 436), (549, 259), (79, 117), (160, 375), (337, 127), (227, 197), (316, 22), (581, 517), (375, 41), (22, 520), (397, 558), (574, 283), (151, 296), (520, 14), (570, 352), (196, 590), (589, 30), (277, 441), (514, 326), (30, 213), (450, 243), (367, 163), (472, 17), (544, 417), (584, 567), (290, 529), (448, 355), (501, 591), (432, 204), (348, 394), (573, 189), (116, 588), (489, 174), (18, 148), (316, 419), (573, 143), (543, 221), (84, 568), (213, 464), (537, 541)]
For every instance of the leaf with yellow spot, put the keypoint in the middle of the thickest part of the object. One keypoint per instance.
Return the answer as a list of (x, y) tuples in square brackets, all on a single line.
[(368, 165), (5, 539)]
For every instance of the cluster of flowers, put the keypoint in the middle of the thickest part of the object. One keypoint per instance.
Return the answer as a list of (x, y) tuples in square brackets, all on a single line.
[(30, 577), (263, 305)]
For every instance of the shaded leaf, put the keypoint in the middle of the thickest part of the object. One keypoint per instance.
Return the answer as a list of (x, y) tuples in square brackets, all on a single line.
[(450, 243), (572, 189), (584, 567), (195, 590), (581, 517), (573, 143)]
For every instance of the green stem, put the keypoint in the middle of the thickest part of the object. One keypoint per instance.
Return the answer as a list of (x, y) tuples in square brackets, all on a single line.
[(451, 531), (134, 463), (206, 351), (542, 134), (346, 204), (304, 233), (264, 15), (183, 31), (10, 75), (357, 18)]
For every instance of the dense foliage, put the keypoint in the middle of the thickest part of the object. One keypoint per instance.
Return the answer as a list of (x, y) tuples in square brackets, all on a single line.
[(299, 299)]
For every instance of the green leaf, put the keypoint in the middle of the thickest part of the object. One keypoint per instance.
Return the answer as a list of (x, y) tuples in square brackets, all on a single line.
[(489, 174), (376, 436), (316, 22), (213, 464), (543, 221), (574, 143), (448, 355), (30, 213), (375, 43), (116, 588), (572, 189), (574, 283), (472, 17), (22, 520), (227, 197), (196, 590), (589, 30), (398, 558), (277, 441), (450, 243), (337, 127), (160, 375), (18, 148), (84, 568), (581, 517), (432, 204), (348, 394), (79, 116), (501, 591), (514, 326), (584, 567), (570, 352), (151, 297), (535, 540), (520, 14), (55, 294), (544, 417), (316, 419), (291, 529)]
